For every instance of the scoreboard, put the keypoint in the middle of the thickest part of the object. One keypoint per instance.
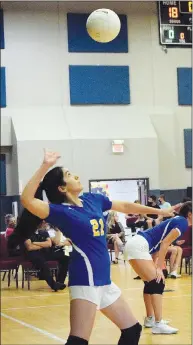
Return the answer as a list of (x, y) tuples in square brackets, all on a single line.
[(175, 23)]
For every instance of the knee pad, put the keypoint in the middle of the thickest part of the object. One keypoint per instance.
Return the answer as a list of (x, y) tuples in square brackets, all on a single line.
[(73, 340), (154, 288), (130, 336)]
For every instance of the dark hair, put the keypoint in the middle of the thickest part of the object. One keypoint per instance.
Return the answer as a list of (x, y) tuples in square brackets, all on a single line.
[(26, 226), (28, 222), (153, 197), (52, 180), (186, 199), (162, 196), (185, 209)]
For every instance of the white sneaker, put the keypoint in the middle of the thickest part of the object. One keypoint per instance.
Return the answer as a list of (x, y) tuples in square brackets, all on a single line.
[(175, 275), (162, 328), (150, 321), (165, 322)]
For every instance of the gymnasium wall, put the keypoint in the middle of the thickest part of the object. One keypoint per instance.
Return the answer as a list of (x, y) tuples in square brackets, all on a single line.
[(38, 97)]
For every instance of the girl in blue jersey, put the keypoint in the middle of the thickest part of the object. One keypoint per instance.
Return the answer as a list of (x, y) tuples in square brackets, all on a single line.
[(81, 219), (150, 243)]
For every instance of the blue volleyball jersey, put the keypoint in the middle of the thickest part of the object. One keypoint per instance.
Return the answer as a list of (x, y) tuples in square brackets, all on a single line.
[(85, 226), (156, 235)]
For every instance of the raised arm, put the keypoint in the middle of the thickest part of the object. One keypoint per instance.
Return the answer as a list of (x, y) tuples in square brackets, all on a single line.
[(129, 207), (38, 207)]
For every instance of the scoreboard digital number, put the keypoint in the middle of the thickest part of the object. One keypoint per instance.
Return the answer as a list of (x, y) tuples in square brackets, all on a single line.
[(175, 23)]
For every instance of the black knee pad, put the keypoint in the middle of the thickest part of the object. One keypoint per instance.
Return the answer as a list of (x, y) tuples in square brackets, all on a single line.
[(154, 288), (130, 336), (73, 340)]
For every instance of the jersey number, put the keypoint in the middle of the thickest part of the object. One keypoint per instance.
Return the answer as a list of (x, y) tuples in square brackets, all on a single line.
[(97, 227)]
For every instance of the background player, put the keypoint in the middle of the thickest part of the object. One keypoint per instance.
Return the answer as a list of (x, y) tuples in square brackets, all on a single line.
[(138, 251)]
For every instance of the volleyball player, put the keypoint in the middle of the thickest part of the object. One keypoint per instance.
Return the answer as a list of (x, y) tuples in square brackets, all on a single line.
[(138, 251), (81, 219)]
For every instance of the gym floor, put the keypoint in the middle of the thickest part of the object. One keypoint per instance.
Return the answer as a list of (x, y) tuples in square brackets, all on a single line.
[(40, 316)]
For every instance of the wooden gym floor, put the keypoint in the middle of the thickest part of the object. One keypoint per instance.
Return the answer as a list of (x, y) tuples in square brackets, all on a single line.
[(40, 316)]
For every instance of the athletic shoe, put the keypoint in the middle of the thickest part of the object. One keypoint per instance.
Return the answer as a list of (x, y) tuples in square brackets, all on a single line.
[(58, 286), (150, 321), (162, 328), (175, 275)]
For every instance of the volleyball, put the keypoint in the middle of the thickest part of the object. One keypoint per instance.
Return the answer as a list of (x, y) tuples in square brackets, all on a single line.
[(103, 25)]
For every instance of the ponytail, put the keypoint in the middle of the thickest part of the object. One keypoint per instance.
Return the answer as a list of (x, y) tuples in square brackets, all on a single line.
[(27, 224)]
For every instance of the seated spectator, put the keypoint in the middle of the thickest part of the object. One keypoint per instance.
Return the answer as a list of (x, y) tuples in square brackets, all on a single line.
[(131, 219), (163, 203), (10, 222), (153, 219), (115, 234), (59, 241), (39, 251), (141, 222), (175, 258)]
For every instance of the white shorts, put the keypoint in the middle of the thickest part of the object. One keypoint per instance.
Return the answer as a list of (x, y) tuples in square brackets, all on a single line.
[(102, 296), (137, 248)]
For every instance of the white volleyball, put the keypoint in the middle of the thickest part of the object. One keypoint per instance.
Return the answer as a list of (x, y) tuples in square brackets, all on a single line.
[(103, 25)]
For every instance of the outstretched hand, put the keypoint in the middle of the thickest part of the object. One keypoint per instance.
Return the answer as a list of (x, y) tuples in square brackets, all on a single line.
[(50, 158)]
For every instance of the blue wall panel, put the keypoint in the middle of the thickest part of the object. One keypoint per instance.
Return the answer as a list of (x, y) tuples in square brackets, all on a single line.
[(2, 40), (188, 147), (99, 84), (184, 86), (3, 88), (80, 41)]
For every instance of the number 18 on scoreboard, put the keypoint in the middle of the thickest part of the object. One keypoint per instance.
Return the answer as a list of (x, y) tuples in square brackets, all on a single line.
[(175, 23)]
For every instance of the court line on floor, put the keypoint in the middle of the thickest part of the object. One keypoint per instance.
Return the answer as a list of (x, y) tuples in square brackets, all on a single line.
[(48, 334), (55, 294), (40, 295), (67, 303), (35, 306), (66, 293), (36, 329)]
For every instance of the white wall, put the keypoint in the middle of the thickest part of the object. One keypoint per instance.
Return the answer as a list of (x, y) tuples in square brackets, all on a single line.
[(9, 148), (6, 139), (8, 157), (37, 59)]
